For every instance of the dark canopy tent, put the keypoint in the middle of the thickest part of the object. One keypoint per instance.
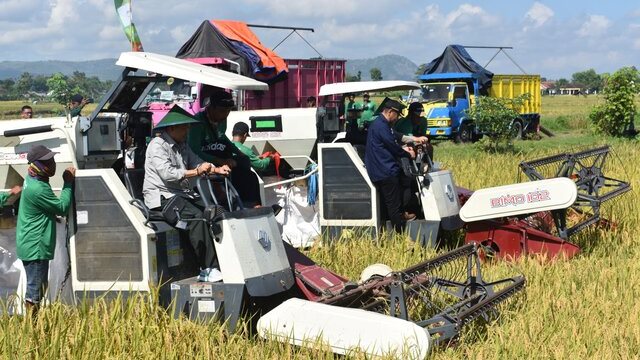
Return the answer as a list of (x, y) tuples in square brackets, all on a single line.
[(207, 42), (455, 59)]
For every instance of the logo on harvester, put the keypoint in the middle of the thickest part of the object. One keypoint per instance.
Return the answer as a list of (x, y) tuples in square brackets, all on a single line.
[(263, 239), (519, 199)]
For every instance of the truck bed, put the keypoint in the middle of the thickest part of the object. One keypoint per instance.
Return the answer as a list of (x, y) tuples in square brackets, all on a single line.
[(511, 86)]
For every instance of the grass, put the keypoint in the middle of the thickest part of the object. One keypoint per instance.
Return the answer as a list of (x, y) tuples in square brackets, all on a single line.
[(583, 308), (11, 109), (570, 113)]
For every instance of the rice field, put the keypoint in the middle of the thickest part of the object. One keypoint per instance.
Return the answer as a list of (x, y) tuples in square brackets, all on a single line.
[(11, 109), (583, 308)]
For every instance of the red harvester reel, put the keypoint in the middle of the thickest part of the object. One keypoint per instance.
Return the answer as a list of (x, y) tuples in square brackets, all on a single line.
[(548, 232)]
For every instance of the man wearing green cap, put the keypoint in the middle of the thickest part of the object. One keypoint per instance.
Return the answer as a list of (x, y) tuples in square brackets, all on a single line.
[(168, 166)]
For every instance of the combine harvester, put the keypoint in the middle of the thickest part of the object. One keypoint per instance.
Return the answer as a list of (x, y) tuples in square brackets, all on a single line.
[(113, 244), (509, 221)]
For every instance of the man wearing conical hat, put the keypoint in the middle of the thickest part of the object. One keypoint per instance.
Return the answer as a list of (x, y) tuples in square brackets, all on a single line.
[(168, 166)]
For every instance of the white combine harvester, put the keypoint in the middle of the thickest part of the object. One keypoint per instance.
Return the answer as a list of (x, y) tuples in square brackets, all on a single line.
[(112, 243)]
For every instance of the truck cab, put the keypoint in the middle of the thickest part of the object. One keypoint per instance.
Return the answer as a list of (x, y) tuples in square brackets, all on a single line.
[(446, 98)]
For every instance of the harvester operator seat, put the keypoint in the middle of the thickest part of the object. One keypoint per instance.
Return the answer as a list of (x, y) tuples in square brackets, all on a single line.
[(134, 179)]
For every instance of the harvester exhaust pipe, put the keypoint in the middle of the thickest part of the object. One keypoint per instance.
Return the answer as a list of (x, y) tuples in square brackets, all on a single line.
[(28, 131)]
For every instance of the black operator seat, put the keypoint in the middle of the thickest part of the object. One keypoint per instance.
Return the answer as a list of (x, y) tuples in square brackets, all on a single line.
[(134, 180)]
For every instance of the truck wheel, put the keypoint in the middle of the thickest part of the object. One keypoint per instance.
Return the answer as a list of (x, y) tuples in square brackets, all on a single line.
[(516, 129), (465, 133)]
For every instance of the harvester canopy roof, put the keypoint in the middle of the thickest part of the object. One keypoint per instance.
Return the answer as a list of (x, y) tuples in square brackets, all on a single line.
[(455, 59), (362, 86), (187, 70)]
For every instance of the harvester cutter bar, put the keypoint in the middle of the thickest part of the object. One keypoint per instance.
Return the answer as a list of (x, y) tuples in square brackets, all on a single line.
[(411, 274), (445, 326), (441, 303)]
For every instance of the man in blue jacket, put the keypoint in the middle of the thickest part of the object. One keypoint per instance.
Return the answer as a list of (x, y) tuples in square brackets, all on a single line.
[(382, 159)]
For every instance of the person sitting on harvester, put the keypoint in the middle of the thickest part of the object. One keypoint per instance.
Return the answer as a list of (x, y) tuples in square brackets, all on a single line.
[(207, 139), (415, 125), (169, 165), (266, 164)]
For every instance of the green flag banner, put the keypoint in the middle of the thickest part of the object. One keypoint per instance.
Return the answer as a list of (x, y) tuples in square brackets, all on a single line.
[(123, 7)]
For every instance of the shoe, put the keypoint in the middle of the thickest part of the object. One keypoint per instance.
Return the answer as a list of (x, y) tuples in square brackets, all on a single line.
[(210, 275), (204, 274)]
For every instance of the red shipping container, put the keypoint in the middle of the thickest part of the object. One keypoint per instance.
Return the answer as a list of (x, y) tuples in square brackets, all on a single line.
[(305, 78)]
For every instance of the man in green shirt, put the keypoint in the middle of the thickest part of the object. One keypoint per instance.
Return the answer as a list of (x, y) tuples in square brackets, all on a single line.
[(414, 124), (5, 196), (367, 117), (36, 228), (207, 139), (240, 134)]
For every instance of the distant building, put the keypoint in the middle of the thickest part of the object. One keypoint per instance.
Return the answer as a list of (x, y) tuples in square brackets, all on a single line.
[(548, 88), (570, 91)]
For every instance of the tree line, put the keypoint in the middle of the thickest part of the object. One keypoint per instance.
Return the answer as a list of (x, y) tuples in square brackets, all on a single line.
[(587, 80), (39, 87), (374, 73)]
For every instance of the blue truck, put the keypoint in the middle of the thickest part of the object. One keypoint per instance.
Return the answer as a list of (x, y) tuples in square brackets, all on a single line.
[(447, 96)]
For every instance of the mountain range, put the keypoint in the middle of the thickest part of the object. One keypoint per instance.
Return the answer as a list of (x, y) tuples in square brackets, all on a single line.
[(393, 67), (104, 69)]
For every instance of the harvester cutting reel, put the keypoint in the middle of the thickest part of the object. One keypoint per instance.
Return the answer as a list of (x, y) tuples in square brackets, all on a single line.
[(585, 168), (531, 230), (440, 295)]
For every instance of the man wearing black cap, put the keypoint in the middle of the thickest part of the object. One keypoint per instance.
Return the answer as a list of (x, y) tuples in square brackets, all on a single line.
[(36, 228), (414, 123), (382, 158), (240, 134), (208, 140), (169, 162)]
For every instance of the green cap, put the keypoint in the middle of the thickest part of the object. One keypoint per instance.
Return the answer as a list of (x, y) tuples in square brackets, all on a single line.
[(176, 116)]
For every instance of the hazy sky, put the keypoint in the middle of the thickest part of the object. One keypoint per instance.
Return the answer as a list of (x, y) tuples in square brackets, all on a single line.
[(551, 38)]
